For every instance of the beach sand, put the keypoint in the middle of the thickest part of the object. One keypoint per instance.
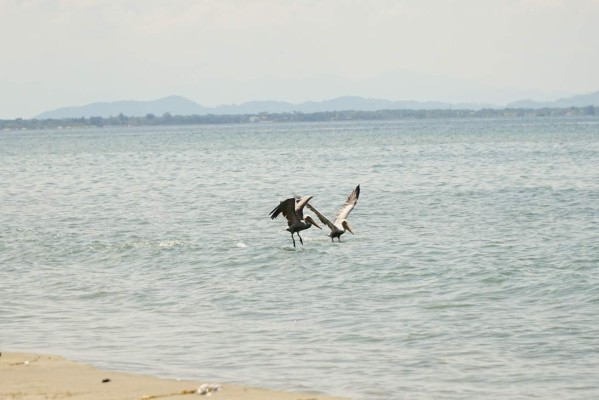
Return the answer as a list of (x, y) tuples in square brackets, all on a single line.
[(26, 376)]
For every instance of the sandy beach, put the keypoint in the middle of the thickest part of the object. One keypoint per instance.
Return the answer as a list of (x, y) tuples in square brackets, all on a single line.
[(25, 376)]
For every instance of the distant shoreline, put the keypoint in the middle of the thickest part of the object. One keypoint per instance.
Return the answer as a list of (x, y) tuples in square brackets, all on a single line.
[(350, 115)]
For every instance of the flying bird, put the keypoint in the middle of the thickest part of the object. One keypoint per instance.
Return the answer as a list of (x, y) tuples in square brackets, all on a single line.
[(339, 225), (293, 209)]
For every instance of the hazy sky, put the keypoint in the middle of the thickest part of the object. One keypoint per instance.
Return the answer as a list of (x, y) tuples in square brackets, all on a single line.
[(57, 53)]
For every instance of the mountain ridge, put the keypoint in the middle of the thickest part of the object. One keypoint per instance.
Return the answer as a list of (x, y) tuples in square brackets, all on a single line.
[(179, 105)]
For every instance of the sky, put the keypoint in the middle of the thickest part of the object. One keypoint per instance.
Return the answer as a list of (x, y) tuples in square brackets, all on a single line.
[(57, 53)]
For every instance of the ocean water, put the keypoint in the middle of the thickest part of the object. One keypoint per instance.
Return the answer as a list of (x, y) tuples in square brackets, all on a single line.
[(473, 272)]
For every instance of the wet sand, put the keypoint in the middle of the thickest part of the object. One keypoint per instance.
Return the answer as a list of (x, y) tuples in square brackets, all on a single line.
[(25, 376)]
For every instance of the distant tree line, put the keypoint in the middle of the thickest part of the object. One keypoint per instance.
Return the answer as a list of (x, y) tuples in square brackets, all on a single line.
[(168, 119)]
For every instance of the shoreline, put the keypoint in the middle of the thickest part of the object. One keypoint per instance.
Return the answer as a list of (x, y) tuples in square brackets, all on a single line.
[(294, 117), (29, 376)]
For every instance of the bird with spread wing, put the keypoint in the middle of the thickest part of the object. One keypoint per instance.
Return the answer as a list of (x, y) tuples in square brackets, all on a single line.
[(293, 209), (340, 224)]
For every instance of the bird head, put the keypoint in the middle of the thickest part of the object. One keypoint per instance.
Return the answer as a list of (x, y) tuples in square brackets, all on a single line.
[(347, 227)]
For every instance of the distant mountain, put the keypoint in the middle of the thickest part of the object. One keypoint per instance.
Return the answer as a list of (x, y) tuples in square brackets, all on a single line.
[(254, 107), (583, 100), (368, 104), (337, 104), (177, 105)]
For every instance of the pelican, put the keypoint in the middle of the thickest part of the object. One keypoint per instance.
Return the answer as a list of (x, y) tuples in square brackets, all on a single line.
[(293, 210), (340, 225)]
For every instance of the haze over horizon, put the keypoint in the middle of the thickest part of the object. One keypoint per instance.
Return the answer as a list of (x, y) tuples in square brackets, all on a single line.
[(59, 53)]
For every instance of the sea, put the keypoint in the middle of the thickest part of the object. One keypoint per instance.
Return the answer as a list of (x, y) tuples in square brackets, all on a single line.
[(473, 271)]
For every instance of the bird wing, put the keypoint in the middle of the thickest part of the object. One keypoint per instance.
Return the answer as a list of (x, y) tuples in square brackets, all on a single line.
[(287, 208), (349, 204), (321, 217), (300, 202)]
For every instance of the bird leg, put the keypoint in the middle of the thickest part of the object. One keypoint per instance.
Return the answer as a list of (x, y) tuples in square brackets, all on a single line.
[(292, 238), (301, 241)]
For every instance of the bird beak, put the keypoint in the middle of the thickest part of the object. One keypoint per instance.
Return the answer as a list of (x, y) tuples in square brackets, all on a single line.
[(346, 225), (314, 223)]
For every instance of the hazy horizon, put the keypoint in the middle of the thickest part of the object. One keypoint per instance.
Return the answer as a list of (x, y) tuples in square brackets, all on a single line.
[(60, 53)]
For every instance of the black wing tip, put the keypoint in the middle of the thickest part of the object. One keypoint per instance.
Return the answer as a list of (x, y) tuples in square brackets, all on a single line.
[(278, 209), (275, 212)]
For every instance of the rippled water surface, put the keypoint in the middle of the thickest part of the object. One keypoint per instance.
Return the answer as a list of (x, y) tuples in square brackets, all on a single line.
[(473, 273)]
